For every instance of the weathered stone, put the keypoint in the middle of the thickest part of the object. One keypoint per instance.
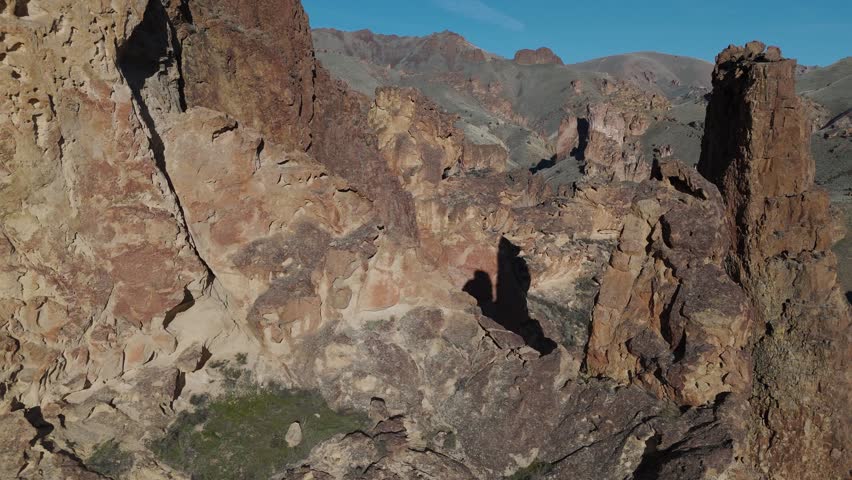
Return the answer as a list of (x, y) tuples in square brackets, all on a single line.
[(201, 229), (756, 149), (667, 316), (232, 49), (294, 435)]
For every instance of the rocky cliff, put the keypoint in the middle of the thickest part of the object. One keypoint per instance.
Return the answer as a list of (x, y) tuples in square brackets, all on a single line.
[(218, 262), (756, 150)]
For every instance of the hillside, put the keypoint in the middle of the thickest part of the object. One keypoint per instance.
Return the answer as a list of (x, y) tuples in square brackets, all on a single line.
[(517, 105), (521, 107), (674, 75), (831, 86)]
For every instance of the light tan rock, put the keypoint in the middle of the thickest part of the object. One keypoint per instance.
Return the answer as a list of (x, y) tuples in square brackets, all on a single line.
[(193, 211), (269, 251), (99, 248), (294, 435)]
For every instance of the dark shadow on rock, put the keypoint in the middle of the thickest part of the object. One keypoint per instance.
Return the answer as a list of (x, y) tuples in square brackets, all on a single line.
[(579, 152), (185, 304), (481, 288), (849, 297), (544, 164), (144, 55), (509, 309)]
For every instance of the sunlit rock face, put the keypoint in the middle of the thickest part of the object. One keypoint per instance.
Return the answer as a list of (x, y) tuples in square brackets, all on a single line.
[(219, 262), (757, 150)]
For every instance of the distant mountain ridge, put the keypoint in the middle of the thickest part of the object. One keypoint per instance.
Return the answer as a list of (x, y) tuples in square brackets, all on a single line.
[(831, 86), (438, 50), (673, 74), (446, 50), (520, 105)]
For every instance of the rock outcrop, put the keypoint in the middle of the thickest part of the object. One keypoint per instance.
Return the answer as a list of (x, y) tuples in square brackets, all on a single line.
[(605, 136), (229, 50), (539, 56), (756, 149), (219, 262), (668, 316), (611, 150)]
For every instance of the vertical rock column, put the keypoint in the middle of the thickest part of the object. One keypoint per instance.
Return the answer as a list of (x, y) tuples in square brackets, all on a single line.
[(756, 150)]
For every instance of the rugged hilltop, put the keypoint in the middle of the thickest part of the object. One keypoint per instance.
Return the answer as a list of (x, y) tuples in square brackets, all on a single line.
[(519, 104), (638, 103), (220, 262), (539, 56)]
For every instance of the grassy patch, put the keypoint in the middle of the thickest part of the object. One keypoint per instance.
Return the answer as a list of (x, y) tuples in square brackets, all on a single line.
[(241, 435), (535, 471), (109, 460)]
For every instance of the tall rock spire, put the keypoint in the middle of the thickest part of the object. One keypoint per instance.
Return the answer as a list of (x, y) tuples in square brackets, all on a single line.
[(756, 150)]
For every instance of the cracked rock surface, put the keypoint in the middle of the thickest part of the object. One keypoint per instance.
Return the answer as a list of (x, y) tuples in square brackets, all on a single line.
[(219, 262)]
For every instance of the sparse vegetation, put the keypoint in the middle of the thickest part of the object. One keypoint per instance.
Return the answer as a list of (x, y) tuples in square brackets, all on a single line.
[(110, 460), (241, 435)]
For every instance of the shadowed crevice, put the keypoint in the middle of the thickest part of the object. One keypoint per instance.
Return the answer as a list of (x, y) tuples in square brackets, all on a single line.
[(579, 152), (145, 61)]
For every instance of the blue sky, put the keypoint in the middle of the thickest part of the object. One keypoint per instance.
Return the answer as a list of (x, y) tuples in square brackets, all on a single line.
[(817, 32)]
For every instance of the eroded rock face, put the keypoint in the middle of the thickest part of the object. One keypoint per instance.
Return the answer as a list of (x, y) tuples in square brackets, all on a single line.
[(605, 136), (95, 249), (287, 244), (185, 237), (230, 50), (756, 150), (667, 315), (419, 143), (484, 157), (612, 149)]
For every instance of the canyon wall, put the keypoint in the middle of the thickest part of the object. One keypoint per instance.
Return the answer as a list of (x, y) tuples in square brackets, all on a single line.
[(219, 262)]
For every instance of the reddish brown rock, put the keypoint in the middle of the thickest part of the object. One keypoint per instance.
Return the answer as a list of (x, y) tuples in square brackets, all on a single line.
[(93, 238), (539, 56), (157, 254), (279, 238), (667, 315), (352, 153), (611, 148), (291, 100), (419, 142), (568, 136), (606, 136), (484, 158), (756, 149), (232, 49)]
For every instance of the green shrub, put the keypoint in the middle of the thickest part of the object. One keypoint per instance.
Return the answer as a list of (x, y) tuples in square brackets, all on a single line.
[(241, 435), (109, 460)]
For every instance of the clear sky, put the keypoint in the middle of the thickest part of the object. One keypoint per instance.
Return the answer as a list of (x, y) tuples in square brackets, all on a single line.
[(817, 32)]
